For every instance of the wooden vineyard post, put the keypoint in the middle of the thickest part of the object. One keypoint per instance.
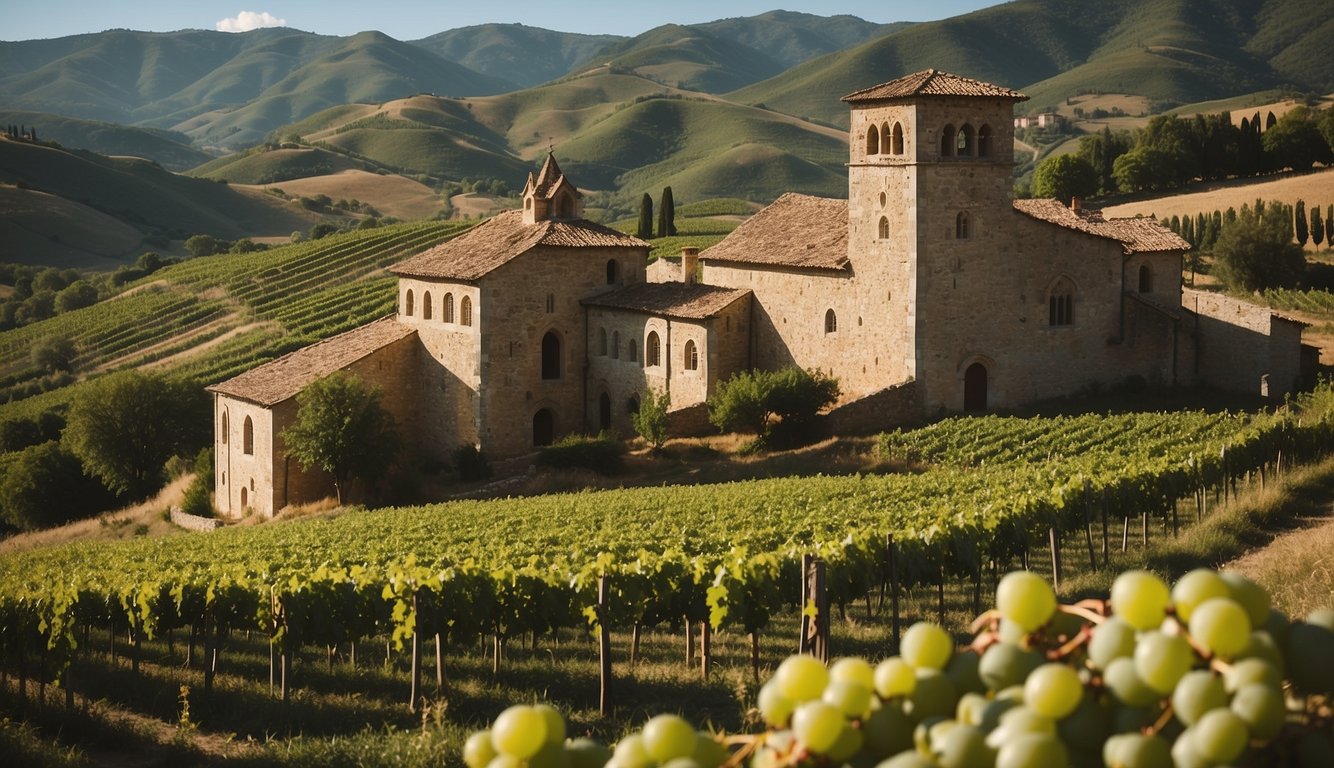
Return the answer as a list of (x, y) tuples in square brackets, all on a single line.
[(803, 635), (940, 594), (705, 648), (755, 655), (1106, 549), (690, 644), (634, 644), (893, 588), (415, 674), (1088, 524), (439, 667), (209, 652), (814, 629), (1055, 557), (604, 649)]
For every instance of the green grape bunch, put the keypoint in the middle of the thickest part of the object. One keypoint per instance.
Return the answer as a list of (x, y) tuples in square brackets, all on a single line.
[(1201, 674)]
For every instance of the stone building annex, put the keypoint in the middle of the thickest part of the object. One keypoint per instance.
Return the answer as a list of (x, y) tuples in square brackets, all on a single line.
[(928, 290)]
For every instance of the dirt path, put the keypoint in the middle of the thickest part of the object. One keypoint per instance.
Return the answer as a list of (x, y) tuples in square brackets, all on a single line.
[(1296, 568)]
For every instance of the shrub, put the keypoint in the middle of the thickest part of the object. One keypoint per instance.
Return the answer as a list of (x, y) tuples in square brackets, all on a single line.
[(470, 463), (601, 454), (650, 421), (747, 401)]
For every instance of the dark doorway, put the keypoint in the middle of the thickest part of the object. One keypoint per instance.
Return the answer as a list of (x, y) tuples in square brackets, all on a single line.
[(975, 388), (551, 356), (604, 412), (544, 428)]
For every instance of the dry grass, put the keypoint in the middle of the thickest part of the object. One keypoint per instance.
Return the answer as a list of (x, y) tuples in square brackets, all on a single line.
[(391, 195), (1131, 105), (476, 205), (1297, 569), (147, 518)]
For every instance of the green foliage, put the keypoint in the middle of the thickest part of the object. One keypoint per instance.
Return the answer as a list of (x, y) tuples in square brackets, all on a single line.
[(666, 214), (341, 429), (645, 229), (1064, 177), (198, 498), (76, 295), (602, 454), (45, 485), (54, 354), (1295, 141), (1256, 253), (1143, 168), (470, 463), (19, 433), (1299, 230), (125, 426), (203, 245), (650, 421), (748, 400), (1317, 226)]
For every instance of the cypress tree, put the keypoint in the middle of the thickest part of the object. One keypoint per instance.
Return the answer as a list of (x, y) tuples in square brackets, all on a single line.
[(1230, 215), (1317, 226), (1329, 225), (1188, 229), (645, 230), (1200, 221), (1299, 223), (1175, 224), (666, 214)]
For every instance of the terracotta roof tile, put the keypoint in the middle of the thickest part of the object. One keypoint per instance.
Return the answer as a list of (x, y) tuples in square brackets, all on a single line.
[(1139, 235), (499, 239), (794, 231), (278, 380), (547, 180), (933, 82), (691, 302)]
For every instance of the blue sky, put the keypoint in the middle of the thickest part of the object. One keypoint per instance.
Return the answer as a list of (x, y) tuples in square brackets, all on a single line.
[(415, 19)]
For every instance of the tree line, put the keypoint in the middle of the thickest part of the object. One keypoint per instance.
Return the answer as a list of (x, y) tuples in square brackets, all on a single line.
[(1172, 151), (666, 216), (1256, 248)]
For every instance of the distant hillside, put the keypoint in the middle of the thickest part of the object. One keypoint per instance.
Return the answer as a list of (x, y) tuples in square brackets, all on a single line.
[(689, 58), (522, 55), (141, 194), (47, 230), (1172, 51), (169, 149), (791, 38), (264, 165)]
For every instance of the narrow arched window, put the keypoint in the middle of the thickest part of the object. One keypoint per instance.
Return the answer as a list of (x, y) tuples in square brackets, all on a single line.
[(691, 356), (616, 345), (612, 269), (830, 321), (1145, 279), (652, 349), (449, 308), (1061, 304), (947, 139), (604, 412), (407, 304), (248, 437), (426, 305), (964, 141), (884, 228), (551, 303), (633, 346), (602, 342), (896, 144), (465, 311), (873, 140), (884, 139), (984, 141), (224, 427), (551, 356), (962, 226)]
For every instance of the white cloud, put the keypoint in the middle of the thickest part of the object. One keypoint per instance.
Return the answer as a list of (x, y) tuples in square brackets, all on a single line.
[(248, 20)]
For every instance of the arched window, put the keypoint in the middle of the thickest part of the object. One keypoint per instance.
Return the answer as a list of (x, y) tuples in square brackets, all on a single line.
[(947, 139), (884, 227), (1061, 304), (830, 321), (565, 206), (884, 139), (426, 305), (962, 226), (984, 141), (407, 309), (1145, 279), (633, 346), (551, 356), (604, 412), (602, 342), (245, 499), (224, 426), (449, 308), (612, 269), (896, 143), (248, 437), (652, 349), (465, 311), (975, 388), (873, 140), (616, 345), (551, 303), (963, 143), (544, 427), (691, 356), (632, 405)]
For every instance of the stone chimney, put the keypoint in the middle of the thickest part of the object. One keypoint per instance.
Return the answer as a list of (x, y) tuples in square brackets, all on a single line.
[(689, 264)]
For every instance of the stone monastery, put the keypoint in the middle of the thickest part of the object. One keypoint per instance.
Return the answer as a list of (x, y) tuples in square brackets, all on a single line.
[(928, 290)]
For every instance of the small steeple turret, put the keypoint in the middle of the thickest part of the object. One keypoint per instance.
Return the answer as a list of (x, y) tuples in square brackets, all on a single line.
[(550, 195)]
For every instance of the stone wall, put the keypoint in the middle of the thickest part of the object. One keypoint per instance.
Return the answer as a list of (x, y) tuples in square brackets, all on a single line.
[(1242, 347), (194, 522), (879, 411), (244, 478)]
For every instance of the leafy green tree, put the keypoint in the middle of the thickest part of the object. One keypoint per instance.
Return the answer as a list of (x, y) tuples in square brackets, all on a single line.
[(1294, 141), (1100, 151), (1329, 225), (1143, 168), (740, 403), (1254, 253), (1317, 226), (54, 354), (748, 401), (202, 245), (76, 295), (650, 421), (198, 498), (1299, 231), (666, 214), (342, 429), (645, 229), (124, 427), (44, 485), (1064, 177), (1173, 145)]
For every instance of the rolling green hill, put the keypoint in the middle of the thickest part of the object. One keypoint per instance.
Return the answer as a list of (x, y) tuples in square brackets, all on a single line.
[(167, 148), (266, 164), (522, 55), (689, 58), (143, 195), (43, 229), (791, 38), (1172, 51)]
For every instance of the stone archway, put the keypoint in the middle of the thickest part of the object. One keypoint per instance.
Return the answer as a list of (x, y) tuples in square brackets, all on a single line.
[(975, 388), (544, 428)]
